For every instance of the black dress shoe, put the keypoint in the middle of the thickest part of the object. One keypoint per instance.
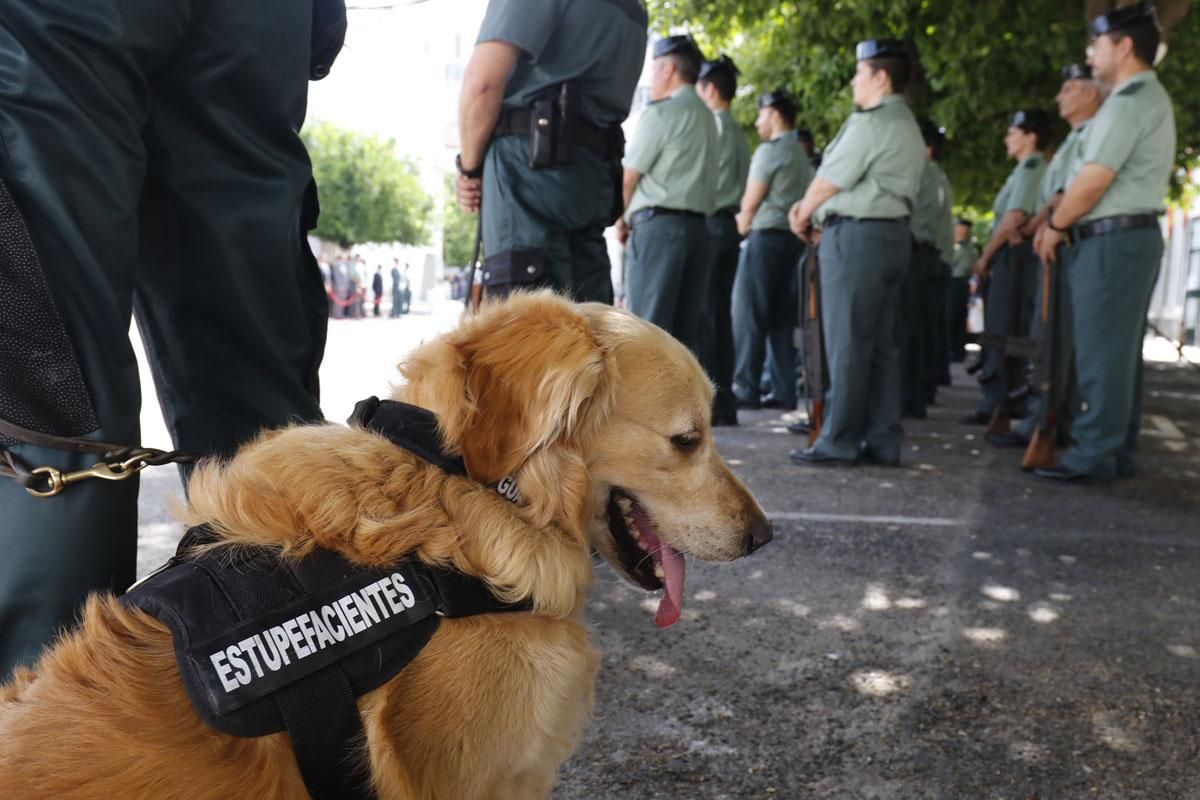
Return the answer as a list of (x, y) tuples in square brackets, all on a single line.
[(770, 402), (869, 457), (798, 428), (1007, 439), (1060, 473), (724, 420), (976, 418), (811, 455), (749, 405)]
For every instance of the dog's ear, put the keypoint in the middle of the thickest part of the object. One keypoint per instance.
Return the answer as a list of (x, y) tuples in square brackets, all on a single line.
[(532, 370)]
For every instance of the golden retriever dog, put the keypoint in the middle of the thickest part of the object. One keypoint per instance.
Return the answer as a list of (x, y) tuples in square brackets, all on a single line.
[(602, 418)]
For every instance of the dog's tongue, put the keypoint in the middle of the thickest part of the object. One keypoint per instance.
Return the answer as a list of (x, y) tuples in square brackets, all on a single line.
[(671, 605), (671, 561)]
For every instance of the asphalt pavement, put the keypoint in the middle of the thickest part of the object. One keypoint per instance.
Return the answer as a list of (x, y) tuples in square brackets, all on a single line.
[(952, 628)]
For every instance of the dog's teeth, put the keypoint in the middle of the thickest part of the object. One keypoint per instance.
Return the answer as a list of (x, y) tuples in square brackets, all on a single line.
[(633, 529), (626, 504), (658, 572)]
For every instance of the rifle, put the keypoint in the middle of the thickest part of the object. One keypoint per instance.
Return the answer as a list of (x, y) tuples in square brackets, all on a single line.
[(1040, 452), (814, 345)]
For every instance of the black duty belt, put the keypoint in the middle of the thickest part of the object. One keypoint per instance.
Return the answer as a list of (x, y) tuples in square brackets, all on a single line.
[(1111, 224), (731, 211), (647, 214), (773, 232), (837, 219), (593, 138)]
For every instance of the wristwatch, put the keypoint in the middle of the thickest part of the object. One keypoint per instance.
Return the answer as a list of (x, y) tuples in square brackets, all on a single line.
[(467, 173)]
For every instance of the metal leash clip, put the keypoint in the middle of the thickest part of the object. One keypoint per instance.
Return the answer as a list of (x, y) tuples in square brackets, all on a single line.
[(57, 480)]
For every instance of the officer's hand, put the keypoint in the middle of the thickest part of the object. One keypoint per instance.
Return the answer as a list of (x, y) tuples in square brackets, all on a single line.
[(469, 191), (801, 224), (1047, 249), (622, 231), (980, 269)]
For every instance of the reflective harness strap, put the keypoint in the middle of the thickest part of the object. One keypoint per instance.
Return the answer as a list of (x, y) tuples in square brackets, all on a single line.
[(319, 710)]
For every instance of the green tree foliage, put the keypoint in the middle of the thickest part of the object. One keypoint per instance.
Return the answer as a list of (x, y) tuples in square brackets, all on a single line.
[(458, 230), (981, 61), (367, 192)]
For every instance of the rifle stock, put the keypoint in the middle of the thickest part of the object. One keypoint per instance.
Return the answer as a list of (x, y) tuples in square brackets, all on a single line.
[(814, 345), (1040, 452)]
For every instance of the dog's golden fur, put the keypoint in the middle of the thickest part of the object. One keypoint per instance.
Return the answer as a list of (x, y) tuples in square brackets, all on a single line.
[(572, 400)]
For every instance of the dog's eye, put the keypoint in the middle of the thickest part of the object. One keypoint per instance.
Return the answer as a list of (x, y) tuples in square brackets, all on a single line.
[(686, 442)]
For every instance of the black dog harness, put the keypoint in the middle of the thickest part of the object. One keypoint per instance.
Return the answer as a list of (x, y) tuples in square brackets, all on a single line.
[(265, 645)]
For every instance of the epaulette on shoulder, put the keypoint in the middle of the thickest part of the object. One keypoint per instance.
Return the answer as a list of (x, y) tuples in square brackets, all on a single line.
[(1132, 88), (1031, 164)]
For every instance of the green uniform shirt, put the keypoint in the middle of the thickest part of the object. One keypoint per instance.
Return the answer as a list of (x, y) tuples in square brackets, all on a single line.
[(965, 256), (931, 217), (876, 160), (1020, 190), (1055, 179), (945, 240), (600, 43), (733, 164), (1133, 134), (674, 147), (783, 165)]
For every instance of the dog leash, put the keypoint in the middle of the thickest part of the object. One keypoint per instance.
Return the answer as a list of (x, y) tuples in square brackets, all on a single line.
[(117, 462)]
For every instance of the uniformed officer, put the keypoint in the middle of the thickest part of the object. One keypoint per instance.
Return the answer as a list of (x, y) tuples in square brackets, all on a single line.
[(670, 187), (1112, 207), (716, 87), (863, 196), (923, 287), (1078, 101), (765, 294), (962, 264), (805, 137), (548, 145), (1007, 262), (152, 155)]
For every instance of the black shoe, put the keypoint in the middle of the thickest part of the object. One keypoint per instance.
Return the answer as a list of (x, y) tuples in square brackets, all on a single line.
[(749, 405), (1060, 473), (976, 418), (724, 420), (811, 455), (798, 428), (770, 402), (1008, 439), (869, 457)]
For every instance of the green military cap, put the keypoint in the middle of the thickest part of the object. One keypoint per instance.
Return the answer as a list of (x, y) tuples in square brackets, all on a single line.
[(722, 63), (934, 135), (1076, 72), (963, 221), (1122, 18), (1031, 120), (775, 99), (677, 44), (880, 48)]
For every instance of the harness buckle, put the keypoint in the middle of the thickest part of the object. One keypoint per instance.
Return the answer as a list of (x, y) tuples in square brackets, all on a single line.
[(57, 480)]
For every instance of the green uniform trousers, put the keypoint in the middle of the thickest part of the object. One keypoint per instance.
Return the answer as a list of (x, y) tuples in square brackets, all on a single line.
[(1111, 277), (717, 350), (937, 351), (1007, 311), (862, 266), (560, 212), (666, 275), (151, 151), (765, 314), (912, 313)]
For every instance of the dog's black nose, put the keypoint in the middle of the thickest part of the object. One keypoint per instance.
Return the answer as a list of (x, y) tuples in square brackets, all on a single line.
[(760, 533)]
